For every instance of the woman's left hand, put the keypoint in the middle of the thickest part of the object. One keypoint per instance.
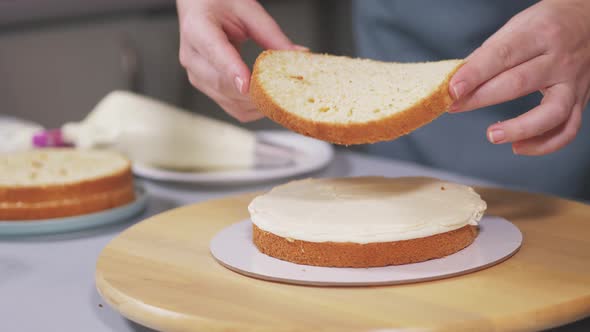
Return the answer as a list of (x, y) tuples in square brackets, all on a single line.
[(544, 48)]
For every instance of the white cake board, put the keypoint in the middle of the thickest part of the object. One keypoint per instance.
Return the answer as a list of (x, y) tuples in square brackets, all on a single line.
[(497, 241)]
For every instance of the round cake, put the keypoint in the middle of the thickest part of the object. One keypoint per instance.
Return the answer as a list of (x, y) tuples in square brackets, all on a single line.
[(51, 183), (365, 221)]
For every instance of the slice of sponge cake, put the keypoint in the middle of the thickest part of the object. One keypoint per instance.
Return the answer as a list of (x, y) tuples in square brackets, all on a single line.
[(349, 101), (50, 183), (365, 221)]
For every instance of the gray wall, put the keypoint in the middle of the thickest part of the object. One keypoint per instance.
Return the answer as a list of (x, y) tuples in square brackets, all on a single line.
[(55, 66)]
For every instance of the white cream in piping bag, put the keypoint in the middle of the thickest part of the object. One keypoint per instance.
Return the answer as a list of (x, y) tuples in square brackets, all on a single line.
[(366, 209), (161, 135)]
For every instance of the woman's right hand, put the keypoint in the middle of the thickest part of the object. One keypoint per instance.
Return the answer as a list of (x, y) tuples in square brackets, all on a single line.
[(211, 32)]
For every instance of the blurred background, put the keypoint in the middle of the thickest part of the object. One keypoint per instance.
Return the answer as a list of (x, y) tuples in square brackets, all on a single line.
[(58, 58)]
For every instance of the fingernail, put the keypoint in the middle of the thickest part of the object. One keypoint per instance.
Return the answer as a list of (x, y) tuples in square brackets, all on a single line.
[(514, 150), (454, 108), (301, 48), (239, 84), (459, 89), (496, 136)]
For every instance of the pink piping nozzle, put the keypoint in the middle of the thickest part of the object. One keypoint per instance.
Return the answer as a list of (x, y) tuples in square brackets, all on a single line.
[(49, 138)]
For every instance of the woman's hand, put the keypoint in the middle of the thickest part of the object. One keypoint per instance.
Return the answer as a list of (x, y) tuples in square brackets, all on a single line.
[(211, 32), (544, 48)]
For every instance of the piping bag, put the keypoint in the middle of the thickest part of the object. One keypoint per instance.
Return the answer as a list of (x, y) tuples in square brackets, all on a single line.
[(158, 134)]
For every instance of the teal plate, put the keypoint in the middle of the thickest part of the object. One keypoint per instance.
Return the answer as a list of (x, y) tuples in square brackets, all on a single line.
[(76, 223)]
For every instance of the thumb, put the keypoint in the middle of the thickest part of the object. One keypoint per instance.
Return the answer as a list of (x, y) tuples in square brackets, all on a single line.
[(264, 30)]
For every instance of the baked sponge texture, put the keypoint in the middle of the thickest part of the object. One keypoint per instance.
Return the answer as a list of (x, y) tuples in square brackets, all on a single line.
[(52, 183), (348, 101)]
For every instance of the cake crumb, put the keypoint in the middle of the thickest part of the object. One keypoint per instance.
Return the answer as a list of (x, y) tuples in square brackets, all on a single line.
[(36, 164), (100, 305), (297, 77), (443, 188)]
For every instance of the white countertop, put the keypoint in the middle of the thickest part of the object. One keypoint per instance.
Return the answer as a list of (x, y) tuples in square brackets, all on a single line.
[(47, 282)]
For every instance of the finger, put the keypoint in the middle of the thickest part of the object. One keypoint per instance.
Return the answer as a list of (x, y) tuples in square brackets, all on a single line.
[(492, 58), (262, 28), (248, 115), (205, 77), (207, 38), (251, 115), (241, 109), (519, 81), (552, 140), (555, 109)]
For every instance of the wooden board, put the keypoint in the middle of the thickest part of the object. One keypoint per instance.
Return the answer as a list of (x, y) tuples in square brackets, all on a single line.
[(160, 273)]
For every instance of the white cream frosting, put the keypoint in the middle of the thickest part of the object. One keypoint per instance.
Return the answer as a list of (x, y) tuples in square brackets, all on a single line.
[(366, 209)]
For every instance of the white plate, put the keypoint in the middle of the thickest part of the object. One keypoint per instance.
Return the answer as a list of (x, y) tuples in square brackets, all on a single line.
[(76, 223), (233, 248), (313, 155)]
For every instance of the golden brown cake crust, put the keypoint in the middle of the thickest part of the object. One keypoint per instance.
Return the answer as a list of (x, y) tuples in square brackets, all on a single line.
[(336, 254), (53, 201), (44, 193), (394, 126)]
